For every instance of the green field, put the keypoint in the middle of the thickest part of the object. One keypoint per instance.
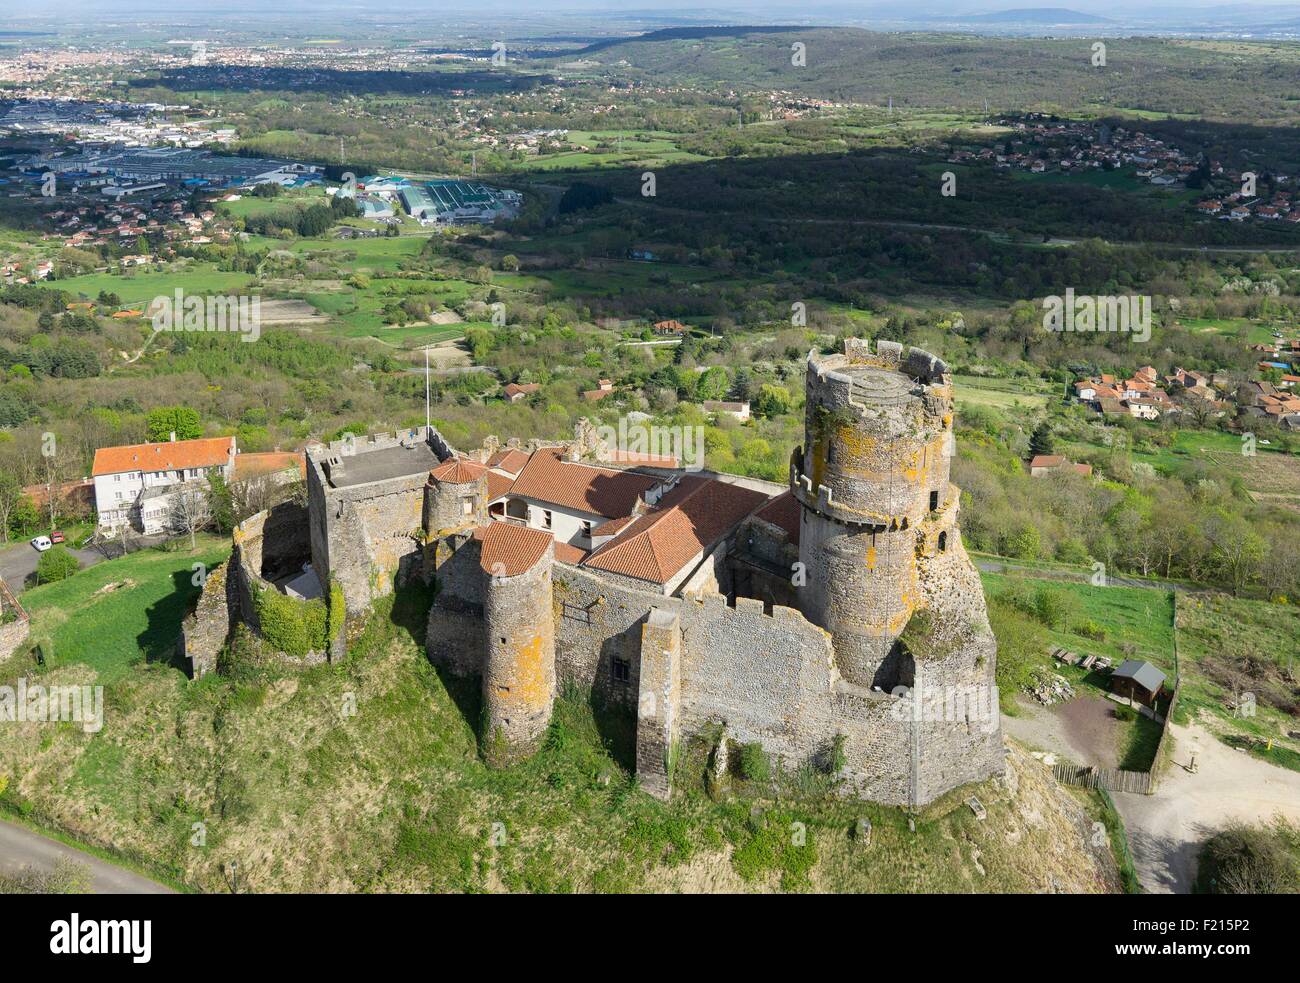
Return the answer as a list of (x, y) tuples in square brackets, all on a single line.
[(638, 147), (1137, 621), (137, 621), (138, 288), (999, 393), (1228, 644)]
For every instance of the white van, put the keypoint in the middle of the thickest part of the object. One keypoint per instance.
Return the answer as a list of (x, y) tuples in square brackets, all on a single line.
[(41, 543)]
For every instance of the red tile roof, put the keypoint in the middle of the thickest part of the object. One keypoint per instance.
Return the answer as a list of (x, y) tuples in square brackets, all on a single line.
[(1047, 461), (511, 460), (255, 465), (613, 526), (651, 460), (581, 487), (498, 485), (509, 550), (458, 471), (783, 512), (688, 520), (174, 455), (567, 553), (676, 327)]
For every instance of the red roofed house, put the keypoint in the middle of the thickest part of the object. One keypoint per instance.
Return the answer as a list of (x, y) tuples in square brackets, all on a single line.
[(1048, 463), (515, 392), (133, 483), (670, 327), (595, 395)]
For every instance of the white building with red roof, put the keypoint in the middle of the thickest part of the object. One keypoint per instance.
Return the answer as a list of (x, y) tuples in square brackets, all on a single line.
[(133, 481)]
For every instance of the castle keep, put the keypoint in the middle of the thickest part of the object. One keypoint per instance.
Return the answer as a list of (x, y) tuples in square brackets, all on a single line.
[(839, 612)]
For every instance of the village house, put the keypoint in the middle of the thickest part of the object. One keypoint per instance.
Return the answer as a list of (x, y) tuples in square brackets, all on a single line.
[(1044, 464), (670, 328), (135, 483), (514, 392), (739, 411)]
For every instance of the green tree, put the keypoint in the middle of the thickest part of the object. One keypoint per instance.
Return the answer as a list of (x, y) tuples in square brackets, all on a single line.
[(1043, 441), (221, 502), (11, 494), (773, 400), (163, 421), (56, 563)]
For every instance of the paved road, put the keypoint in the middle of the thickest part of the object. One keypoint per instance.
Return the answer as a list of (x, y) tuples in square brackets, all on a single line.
[(1166, 830), (20, 847), (18, 561)]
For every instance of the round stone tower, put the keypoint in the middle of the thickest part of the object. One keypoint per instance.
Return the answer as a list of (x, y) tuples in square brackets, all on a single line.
[(878, 433), (455, 496), (519, 621)]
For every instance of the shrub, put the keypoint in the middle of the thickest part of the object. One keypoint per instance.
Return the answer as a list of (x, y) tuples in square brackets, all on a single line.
[(1053, 607), (1021, 645), (755, 766), (56, 564), (292, 626), (1251, 860), (834, 760), (1090, 629)]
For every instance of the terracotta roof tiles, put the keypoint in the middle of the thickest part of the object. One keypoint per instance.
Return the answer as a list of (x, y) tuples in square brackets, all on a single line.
[(458, 471), (601, 491), (688, 520), (169, 456), (509, 550), (511, 460)]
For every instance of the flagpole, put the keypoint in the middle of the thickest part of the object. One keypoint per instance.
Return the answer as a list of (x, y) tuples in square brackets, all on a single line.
[(428, 421)]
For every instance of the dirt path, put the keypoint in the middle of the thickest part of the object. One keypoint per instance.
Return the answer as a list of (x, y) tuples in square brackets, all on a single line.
[(1082, 730), (1165, 830)]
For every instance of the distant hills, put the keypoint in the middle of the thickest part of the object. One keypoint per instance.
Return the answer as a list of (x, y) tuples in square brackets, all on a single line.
[(1028, 15), (947, 71)]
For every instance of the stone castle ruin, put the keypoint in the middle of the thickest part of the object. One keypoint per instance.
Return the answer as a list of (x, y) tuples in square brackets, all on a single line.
[(839, 612)]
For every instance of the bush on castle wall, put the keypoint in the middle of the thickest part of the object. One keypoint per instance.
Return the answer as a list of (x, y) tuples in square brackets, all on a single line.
[(292, 626)]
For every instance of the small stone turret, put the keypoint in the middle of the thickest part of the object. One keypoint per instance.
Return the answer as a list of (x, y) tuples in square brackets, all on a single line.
[(873, 470), (455, 497), (519, 621)]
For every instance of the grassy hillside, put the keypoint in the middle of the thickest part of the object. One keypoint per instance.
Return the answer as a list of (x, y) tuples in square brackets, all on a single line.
[(273, 772), (961, 71)]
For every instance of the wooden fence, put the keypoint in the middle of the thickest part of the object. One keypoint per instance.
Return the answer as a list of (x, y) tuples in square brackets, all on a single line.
[(1111, 779)]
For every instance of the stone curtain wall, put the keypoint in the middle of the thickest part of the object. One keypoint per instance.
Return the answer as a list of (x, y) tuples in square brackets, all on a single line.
[(455, 638), (770, 678), (204, 630), (275, 540), (15, 632), (953, 752)]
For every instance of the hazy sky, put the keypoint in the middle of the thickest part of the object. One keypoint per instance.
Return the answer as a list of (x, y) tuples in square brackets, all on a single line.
[(715, 11)]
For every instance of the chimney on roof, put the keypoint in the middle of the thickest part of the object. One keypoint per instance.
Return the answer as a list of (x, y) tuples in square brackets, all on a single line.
[(172, 437)]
